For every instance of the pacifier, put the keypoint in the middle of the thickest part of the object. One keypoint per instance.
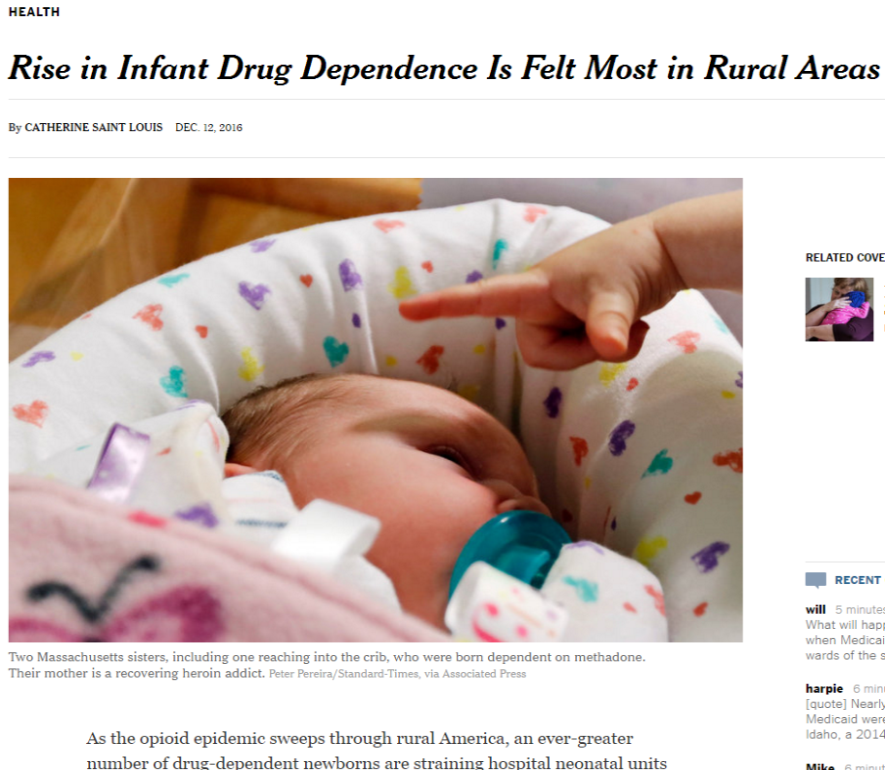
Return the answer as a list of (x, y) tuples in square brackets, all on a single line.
[(522, 544)]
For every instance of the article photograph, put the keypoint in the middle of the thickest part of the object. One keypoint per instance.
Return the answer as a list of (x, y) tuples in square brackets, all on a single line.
[(839, 310), (381, 409)]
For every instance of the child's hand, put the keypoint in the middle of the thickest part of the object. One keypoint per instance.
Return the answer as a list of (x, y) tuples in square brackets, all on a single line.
[(585, 302), (577, 306)]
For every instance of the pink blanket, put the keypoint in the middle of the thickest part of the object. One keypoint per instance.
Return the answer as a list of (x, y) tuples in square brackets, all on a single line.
[(82, 569), (845, 314)]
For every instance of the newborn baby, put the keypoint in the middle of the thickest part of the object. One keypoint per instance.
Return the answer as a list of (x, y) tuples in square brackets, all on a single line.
[(430, 465)]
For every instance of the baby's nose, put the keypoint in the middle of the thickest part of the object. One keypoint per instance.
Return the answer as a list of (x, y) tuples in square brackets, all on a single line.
[(511, 499)]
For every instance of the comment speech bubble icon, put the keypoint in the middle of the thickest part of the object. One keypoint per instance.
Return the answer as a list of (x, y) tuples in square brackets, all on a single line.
[(816, 579)]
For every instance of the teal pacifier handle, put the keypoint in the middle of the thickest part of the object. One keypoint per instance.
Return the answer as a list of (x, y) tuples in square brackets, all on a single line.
[(522, 544)]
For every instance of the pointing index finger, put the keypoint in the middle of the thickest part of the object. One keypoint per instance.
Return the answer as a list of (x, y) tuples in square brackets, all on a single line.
[(509, 295)]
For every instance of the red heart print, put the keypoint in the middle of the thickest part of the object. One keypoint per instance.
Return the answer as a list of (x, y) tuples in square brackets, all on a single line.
[(701, 608), (386, 225), (533, 214), (632, 384), (686, 340), (734, 460), (658, 599), (307, 280), (430, 360), (34, 413), (428, 266), (150, 314), (202, 331), (579, 448), (693, 498)]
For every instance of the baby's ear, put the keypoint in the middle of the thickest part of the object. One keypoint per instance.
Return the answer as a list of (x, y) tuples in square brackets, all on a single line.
[(235, 469)]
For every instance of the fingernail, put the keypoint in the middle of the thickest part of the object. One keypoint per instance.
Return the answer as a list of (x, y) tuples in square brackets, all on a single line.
[(618, 337)]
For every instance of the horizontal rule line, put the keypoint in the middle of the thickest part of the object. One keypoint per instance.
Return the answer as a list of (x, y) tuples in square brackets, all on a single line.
[(446, 99), (445, 157)]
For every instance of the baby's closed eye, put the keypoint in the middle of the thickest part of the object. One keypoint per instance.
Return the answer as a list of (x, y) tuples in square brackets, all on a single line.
[(453, 455)]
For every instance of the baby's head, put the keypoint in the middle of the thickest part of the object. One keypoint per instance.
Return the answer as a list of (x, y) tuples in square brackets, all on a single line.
[(431, 466), (841, 287)]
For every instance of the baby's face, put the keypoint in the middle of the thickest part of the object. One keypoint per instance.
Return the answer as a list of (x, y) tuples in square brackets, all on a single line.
[(430, 465)]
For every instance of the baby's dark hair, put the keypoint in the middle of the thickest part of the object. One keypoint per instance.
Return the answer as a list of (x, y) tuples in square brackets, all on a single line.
[(260, 423)]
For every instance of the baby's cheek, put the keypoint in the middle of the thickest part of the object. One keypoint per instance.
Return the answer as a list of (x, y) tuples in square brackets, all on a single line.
[(418, 545)]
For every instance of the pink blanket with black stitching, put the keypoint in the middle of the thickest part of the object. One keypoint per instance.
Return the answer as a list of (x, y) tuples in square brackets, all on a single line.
[(82, 569)]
